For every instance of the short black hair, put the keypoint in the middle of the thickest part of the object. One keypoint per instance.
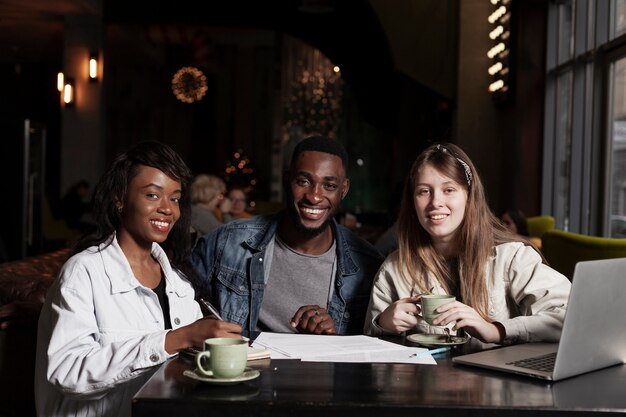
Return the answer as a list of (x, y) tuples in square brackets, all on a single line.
[(321, 144)]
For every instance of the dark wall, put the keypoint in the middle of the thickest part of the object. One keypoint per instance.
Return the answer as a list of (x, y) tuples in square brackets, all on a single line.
[(28, 93), (503, 135)]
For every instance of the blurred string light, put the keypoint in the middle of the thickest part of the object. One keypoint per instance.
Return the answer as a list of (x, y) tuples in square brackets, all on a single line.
[(189, 85), (239, 171)]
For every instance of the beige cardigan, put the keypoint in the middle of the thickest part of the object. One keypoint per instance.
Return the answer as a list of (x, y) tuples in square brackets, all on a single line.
[(528, 297)]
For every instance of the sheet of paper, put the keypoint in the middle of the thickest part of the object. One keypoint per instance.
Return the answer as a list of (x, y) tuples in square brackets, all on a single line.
[(306, 345), (398, 356), (322, 348)]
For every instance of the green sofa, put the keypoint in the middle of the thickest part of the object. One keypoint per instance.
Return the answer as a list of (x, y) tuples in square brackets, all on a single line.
[(564, 249)]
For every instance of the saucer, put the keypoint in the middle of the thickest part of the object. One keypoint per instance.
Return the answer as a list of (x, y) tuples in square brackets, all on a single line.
[(430, 340), (247, 375)]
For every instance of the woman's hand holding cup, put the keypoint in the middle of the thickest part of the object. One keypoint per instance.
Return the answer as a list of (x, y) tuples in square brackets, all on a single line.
[(430, 303)]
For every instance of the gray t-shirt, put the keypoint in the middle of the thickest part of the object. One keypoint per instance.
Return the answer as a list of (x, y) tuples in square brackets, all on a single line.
[(295, 280)]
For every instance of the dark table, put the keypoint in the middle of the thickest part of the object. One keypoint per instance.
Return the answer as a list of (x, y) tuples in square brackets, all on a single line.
[(300, 389)]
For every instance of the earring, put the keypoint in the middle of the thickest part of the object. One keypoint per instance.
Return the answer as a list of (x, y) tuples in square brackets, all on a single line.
[(119, 209)]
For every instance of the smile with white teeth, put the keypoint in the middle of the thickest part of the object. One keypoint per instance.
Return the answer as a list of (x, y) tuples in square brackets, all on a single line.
[(312, 211), (159, 223), (438, 216)]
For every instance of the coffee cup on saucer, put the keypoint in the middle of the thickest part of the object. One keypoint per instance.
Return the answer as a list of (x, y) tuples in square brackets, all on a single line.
[(222, 358)]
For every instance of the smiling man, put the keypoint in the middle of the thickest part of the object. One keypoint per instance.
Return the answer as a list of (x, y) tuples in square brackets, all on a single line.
[(297, 270)]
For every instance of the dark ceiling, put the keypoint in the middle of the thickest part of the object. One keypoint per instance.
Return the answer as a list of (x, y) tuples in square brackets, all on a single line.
[(348, 32), (32, 30)]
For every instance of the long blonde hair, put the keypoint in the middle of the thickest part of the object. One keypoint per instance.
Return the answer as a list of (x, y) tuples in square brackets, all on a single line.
[(480, 230)]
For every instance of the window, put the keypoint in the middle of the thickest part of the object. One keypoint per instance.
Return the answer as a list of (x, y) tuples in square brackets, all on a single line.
[(585, 117), (563, 148), (620, 17), (566, 38), (617, 150)]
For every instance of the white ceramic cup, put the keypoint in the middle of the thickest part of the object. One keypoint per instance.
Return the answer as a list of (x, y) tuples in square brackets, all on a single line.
[(222, 357), (430, 303)]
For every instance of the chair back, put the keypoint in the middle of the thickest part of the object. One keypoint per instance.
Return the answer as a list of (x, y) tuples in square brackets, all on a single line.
[(24, 283), (564, 249), (538, 225)]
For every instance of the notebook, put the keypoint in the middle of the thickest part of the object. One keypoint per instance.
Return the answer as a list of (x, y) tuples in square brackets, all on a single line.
[(593, 335)]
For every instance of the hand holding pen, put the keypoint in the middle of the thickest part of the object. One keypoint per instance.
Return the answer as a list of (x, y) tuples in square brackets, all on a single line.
[(193, 335), (212, 310)]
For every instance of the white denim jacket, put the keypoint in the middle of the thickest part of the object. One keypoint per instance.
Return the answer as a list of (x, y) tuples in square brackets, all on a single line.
[(100, 330), (528, 297)]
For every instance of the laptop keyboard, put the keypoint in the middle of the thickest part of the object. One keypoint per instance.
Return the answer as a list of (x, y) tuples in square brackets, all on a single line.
[(538, 363)]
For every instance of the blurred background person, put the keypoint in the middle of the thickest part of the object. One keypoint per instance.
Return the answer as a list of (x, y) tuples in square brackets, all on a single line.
[(207, 194), (515, 221), (238, 208)]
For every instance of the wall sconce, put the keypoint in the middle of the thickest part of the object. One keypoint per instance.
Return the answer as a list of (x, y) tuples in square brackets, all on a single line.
[(69, 93), (93, 67), (500, 51), (60, 81)]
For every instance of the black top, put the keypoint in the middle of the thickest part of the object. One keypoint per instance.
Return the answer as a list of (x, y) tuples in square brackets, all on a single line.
[(159, 290), (454, 278)]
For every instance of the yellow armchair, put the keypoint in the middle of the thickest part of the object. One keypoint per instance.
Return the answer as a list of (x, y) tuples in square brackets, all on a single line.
[(564, 249), (538, 225)]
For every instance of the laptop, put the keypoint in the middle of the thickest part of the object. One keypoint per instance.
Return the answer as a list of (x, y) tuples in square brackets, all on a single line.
[(593, 335)]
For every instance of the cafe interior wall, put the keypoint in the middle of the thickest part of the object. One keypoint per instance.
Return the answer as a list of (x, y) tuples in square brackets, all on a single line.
[(503, 136), (437, 90)]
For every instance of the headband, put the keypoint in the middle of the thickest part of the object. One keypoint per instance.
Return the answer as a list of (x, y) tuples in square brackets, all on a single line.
[(466, 168)]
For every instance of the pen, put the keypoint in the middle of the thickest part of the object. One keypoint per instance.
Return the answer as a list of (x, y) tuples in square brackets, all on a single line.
[(431, 352), (211, 309)]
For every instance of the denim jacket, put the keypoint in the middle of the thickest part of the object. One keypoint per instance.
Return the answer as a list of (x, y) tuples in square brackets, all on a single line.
[(231, 265)]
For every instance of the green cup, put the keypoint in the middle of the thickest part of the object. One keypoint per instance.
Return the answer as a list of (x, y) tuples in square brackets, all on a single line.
[(222, 357), (430, 303)]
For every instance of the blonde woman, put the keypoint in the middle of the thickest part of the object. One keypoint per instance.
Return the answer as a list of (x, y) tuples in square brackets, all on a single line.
[(207, 194), (450, 242)]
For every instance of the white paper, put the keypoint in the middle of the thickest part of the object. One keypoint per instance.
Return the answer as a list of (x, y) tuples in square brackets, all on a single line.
[(320, 348), (399, 356)]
